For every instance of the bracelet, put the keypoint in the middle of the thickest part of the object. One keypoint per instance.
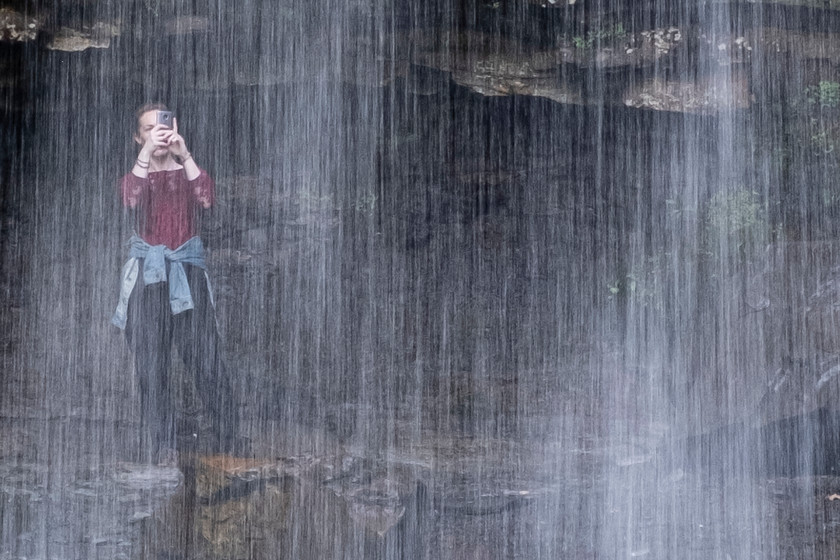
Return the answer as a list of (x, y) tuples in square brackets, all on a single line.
[(186, 157), (142, 164)]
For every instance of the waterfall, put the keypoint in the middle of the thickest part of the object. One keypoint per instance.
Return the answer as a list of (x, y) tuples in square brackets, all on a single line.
[(492, 279)]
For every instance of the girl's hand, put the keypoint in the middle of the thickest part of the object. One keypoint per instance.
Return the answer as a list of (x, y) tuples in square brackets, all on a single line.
[(156, 139), (175, 142)]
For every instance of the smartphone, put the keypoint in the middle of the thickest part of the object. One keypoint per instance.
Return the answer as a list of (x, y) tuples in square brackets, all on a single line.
[(165, 118)]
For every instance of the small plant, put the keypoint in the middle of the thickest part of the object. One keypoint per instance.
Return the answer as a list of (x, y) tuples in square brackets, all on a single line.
[(366, 202), (580, 42), (155, 9), (735, 226), (615, 31), (830, 196), (645, 283), (732, 212), (825, 94), (822, 142)]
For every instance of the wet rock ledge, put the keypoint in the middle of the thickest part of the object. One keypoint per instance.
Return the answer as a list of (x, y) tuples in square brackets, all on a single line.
[(541, 48)]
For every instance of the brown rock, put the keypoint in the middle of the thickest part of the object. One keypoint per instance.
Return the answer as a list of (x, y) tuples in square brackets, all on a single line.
[(185, 25), (73, 40), (241, 506), (16, 27), (701, 96)]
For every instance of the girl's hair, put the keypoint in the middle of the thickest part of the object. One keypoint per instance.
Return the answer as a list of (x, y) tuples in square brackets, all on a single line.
[(145, 108)]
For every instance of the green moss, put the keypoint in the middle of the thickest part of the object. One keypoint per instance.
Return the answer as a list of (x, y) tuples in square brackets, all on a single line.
[(733, 212), (823, 142), (735, 227), (608, 33), (366, 202), (824, 94)]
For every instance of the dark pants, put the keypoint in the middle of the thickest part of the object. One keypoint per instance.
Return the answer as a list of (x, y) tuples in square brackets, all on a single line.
[(151, 329)]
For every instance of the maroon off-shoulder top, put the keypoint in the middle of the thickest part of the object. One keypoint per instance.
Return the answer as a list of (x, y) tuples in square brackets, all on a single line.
[(166, 204)]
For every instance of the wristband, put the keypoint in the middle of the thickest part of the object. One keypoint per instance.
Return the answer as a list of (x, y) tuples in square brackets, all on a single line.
[(186, 157), (142, 164)]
